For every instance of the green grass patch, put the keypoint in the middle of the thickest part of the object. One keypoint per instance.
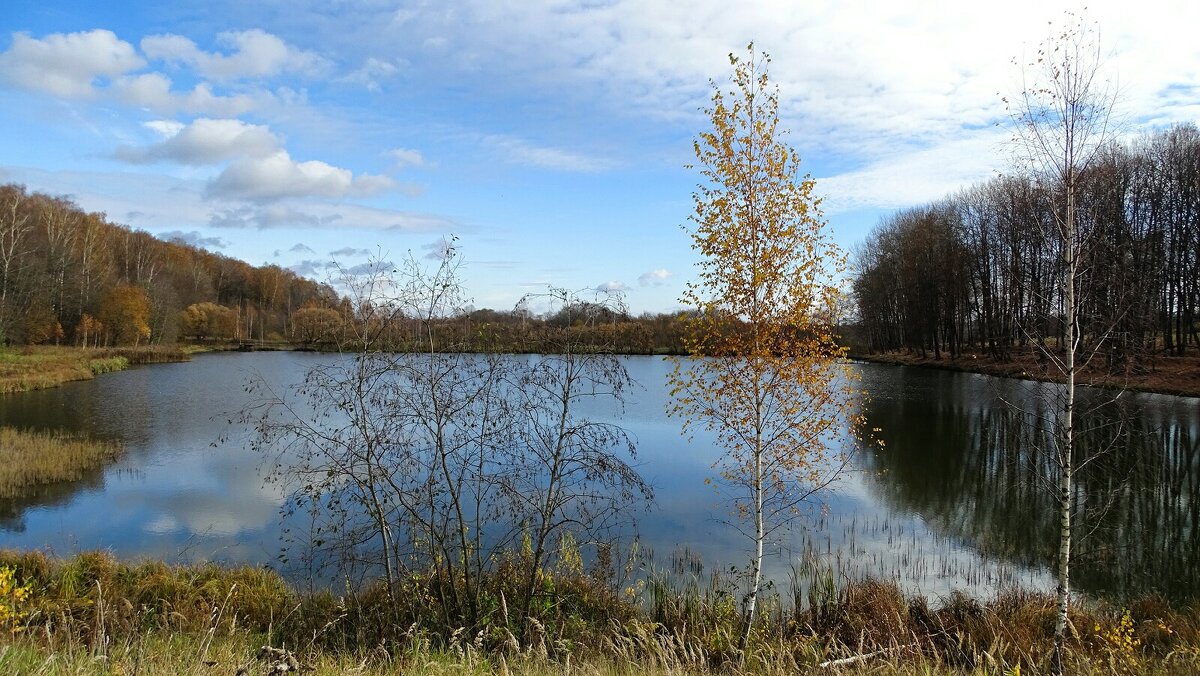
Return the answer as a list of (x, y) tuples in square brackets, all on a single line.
[(108, 365)]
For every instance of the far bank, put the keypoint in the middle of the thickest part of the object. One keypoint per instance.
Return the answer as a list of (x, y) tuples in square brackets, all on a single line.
[(1163, 375)]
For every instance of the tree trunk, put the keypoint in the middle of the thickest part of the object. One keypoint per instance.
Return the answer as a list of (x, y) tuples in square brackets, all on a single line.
[(1066, 448)]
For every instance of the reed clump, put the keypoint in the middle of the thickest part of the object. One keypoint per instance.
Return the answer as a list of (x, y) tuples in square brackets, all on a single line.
[(29, 459), (95, 614), (42, 367)]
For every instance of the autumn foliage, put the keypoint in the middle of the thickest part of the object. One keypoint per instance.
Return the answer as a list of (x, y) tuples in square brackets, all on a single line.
[(72, 277), (771, 391)]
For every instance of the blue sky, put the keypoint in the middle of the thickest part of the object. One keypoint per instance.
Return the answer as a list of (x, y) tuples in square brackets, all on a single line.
[(549, 136)]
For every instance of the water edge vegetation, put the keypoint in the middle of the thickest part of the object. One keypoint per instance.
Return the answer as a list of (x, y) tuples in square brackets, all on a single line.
[(91, 614)]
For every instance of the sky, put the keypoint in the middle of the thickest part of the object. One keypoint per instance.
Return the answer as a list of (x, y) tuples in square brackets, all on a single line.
[(549, 137)]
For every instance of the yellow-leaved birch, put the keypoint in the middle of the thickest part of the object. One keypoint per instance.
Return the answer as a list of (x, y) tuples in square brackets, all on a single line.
[(765, 374)]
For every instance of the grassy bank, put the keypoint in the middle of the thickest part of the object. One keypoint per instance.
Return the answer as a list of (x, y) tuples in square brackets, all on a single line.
[(32, 459), (92, 614), (41, 367), (1165, 374)]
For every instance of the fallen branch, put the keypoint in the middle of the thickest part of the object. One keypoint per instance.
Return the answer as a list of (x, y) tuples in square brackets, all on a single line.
[(845, 661)]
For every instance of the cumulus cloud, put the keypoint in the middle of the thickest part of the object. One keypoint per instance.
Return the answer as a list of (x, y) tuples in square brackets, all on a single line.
[(301, 247), (204, 141), (277, 176), (520, 151), (253, 54), (92, 63), (165, 128), (406, 157), (152, 91), (67, 64), (192, 238), (654, 277)]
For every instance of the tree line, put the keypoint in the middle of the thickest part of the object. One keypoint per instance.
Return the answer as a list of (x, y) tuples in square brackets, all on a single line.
[(69, 277), (72, 277), (980, 270)]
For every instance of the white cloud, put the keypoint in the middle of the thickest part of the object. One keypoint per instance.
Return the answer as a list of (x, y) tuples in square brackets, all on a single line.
[(519, 151), (903, 179), (325, 216), (67, 64), (204, 141), (162, 199), (301, 247), (371, 73), (612, 287), (348, 251), (857, 81), (254, 54), (274, 216), (439, 249), (406, 157), (152, 91), (165, 128), (277, 176), (654, 277)]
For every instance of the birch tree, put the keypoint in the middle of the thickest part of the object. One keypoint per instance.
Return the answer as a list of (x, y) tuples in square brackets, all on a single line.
[(765, 376), (1061, 121)]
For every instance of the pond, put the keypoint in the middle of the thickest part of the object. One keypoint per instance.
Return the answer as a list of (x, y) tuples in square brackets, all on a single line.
[(952, 501)]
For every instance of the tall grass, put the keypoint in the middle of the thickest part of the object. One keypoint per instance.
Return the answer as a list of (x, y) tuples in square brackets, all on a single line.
[(93, 614), (30, 459), (41, 367)]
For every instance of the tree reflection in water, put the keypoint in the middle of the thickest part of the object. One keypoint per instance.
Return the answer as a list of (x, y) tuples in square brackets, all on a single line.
[(967, 454)]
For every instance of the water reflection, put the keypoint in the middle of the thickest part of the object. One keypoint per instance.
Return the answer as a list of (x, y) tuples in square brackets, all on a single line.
[(952, 501), (968, 454)]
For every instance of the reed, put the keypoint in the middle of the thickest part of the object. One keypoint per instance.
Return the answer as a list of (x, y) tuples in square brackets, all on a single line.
[(94, 614), (42, 367), (30, 459)]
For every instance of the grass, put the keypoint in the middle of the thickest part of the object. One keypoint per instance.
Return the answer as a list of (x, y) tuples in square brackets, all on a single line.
[(41, 367), (31, 459), (94, 615)]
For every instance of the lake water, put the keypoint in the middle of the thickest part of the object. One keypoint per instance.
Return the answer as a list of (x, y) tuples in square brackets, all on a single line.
[(952, 501)]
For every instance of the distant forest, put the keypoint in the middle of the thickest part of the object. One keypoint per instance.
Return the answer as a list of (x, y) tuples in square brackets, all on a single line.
[(72, 277), (68, 277), (978, 271)]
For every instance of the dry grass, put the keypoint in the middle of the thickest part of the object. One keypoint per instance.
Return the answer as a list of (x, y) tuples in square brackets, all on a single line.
[(41, 367), (31, 459), (94, 615)]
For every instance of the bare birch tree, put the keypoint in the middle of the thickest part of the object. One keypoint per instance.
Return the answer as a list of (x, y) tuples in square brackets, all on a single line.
[(1061, 120)]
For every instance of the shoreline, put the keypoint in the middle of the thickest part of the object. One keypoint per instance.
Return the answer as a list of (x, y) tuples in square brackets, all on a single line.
[(24, 369), (1172, 376), (29, 368)]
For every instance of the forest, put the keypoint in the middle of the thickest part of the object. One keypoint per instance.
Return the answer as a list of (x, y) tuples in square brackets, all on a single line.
[(72, 277), (979, 271), (69, 277)]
